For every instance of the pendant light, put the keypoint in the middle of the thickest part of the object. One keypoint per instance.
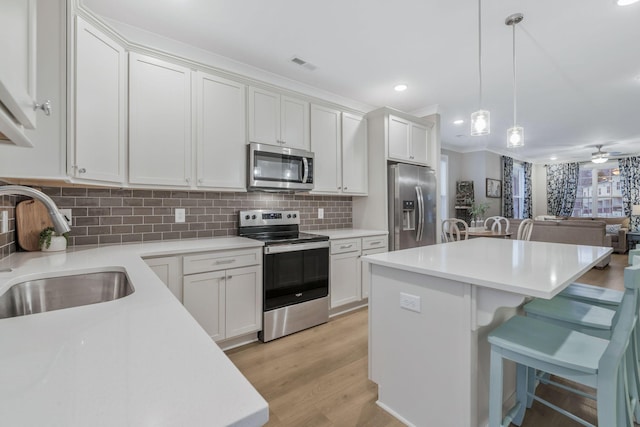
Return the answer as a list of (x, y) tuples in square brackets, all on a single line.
[(481, 119), (515, 134)]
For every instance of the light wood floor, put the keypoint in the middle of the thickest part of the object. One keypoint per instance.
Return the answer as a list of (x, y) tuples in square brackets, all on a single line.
[(318, 377)]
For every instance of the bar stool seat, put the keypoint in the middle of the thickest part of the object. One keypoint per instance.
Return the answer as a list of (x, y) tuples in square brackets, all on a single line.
[(587, 318), (592, 294)]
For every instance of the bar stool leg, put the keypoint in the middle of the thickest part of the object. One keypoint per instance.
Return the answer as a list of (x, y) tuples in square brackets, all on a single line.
[(522, 386), (495, 389)]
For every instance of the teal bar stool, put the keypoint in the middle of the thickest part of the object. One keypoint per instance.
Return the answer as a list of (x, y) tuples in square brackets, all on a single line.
[(539, 346)]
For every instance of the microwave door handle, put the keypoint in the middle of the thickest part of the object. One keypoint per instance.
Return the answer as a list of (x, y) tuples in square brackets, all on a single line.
[(305, 162)]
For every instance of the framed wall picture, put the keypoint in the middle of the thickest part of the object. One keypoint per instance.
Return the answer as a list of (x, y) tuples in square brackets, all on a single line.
[(494, 188)]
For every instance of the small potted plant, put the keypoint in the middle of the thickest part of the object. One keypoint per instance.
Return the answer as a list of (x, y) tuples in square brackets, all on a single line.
[(50, 241), (477, 213)]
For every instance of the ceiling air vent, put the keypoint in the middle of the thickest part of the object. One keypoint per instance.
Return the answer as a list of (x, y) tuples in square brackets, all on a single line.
[(301, 62)]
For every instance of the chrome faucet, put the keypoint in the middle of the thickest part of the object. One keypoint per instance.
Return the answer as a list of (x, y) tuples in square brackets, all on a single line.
[(59, 221)]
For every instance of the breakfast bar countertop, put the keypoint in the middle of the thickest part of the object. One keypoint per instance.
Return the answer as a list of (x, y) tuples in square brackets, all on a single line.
[(500, 264), (141, 360)]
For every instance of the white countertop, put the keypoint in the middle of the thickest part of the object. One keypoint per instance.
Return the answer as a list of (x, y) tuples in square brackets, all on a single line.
[(348, 233), (536, 269), (141, 360)]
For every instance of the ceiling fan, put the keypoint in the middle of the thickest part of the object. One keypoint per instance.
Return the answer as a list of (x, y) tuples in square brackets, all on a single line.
[(599, 156)]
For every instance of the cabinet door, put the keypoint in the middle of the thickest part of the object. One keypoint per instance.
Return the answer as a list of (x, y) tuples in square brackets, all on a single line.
[(243, 301), (169, 270), (418, 143), (204, 298), (294, 125), (354, 154), (221, 152), (325, 143), (264, 116), (366, 277), (159, 122), (99, 107), (345, 280), (398, 138), (18, 64)]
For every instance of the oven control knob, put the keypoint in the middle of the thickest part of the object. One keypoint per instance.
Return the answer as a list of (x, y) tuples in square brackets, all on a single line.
[(289, 216), (253, 217), (247, 217), (295, 216)]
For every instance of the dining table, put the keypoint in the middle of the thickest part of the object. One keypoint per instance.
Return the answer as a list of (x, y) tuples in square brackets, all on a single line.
[(484, 232)]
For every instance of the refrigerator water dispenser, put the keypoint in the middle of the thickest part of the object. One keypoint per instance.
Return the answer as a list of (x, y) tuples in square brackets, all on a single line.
[(408, 215)]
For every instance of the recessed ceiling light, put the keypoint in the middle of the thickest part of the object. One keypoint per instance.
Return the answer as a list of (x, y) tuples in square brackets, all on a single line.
[(458, 122), (400, 87), (553, 158), (625, 2)]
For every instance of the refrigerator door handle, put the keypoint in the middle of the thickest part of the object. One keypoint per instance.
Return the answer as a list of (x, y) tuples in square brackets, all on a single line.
[(420, 214)]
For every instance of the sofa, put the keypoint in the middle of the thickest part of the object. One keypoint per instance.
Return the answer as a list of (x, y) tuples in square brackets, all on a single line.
[(577, 232), (616, 228)]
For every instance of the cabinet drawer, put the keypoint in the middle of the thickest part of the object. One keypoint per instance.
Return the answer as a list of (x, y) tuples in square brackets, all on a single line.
[(214, 261), (346, 245), (374, 242)]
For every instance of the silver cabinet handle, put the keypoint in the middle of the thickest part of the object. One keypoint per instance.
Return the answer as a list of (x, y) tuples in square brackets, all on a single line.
[(376, 243), (187, 180), (82, 170), (339, 188), (200, 181), (346, 246), (229, 277), (45, 106), (225, 261), (345, 188)]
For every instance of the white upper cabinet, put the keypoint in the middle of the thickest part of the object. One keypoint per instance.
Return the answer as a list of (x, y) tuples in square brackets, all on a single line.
[(407, 141), (325, 144), (99, 106), (221, 132), (17, 70), (277, 119), (159, 122), (339, 143), (354, 154)]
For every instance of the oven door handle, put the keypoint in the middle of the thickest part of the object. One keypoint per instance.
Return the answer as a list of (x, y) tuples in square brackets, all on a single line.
[(305, 162), (294, 247)]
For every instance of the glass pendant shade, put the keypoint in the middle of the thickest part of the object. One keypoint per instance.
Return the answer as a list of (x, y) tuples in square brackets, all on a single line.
[(515, 137), (480, 123)]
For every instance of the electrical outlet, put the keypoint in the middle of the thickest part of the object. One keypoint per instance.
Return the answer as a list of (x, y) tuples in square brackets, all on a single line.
[(180, 215), (4, 228), (410, 302), (320, 213), (67, 215)]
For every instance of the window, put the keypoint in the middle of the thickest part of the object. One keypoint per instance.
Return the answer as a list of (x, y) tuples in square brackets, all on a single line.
[(518, 190), (444, 182), (599, 192)]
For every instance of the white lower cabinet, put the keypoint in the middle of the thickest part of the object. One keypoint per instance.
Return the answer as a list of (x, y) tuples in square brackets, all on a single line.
[(349, 282), (169, 270), (226, 302)]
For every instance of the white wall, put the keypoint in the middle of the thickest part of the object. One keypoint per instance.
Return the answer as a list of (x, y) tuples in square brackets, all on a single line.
[(455, 165)]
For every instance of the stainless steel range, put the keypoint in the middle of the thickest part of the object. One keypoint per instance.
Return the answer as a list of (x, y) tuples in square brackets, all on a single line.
[(295, 272)]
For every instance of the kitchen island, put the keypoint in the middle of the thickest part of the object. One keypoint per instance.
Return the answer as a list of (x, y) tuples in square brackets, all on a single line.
[(431, 309), (141, 360)]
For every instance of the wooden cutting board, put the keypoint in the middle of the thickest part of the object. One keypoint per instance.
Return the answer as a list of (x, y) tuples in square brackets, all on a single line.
[(31, 218)]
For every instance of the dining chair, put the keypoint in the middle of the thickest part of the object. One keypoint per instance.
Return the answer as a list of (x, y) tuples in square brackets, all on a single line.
[(494, 223), (454, 229), (541, 349), (525, 229)]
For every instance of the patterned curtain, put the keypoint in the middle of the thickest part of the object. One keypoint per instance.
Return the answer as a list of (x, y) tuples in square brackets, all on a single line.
[(507, 187), (528, 208), (630, 180), (562, 185)]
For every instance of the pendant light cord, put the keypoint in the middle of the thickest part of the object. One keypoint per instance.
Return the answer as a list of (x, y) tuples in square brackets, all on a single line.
[(480, 53), (514, 76)]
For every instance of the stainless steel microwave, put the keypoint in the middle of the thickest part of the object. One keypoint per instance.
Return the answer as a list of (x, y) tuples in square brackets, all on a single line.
[(273, 168)]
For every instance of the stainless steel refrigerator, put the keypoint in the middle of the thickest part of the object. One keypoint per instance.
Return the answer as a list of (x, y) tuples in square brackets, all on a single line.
[(412, 206)]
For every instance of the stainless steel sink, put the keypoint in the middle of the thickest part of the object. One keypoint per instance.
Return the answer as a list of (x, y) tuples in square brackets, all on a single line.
[(56, 293)]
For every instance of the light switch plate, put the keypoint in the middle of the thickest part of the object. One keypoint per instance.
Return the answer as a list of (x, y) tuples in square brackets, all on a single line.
[(180, 215), (4, 228), (320, 213)]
